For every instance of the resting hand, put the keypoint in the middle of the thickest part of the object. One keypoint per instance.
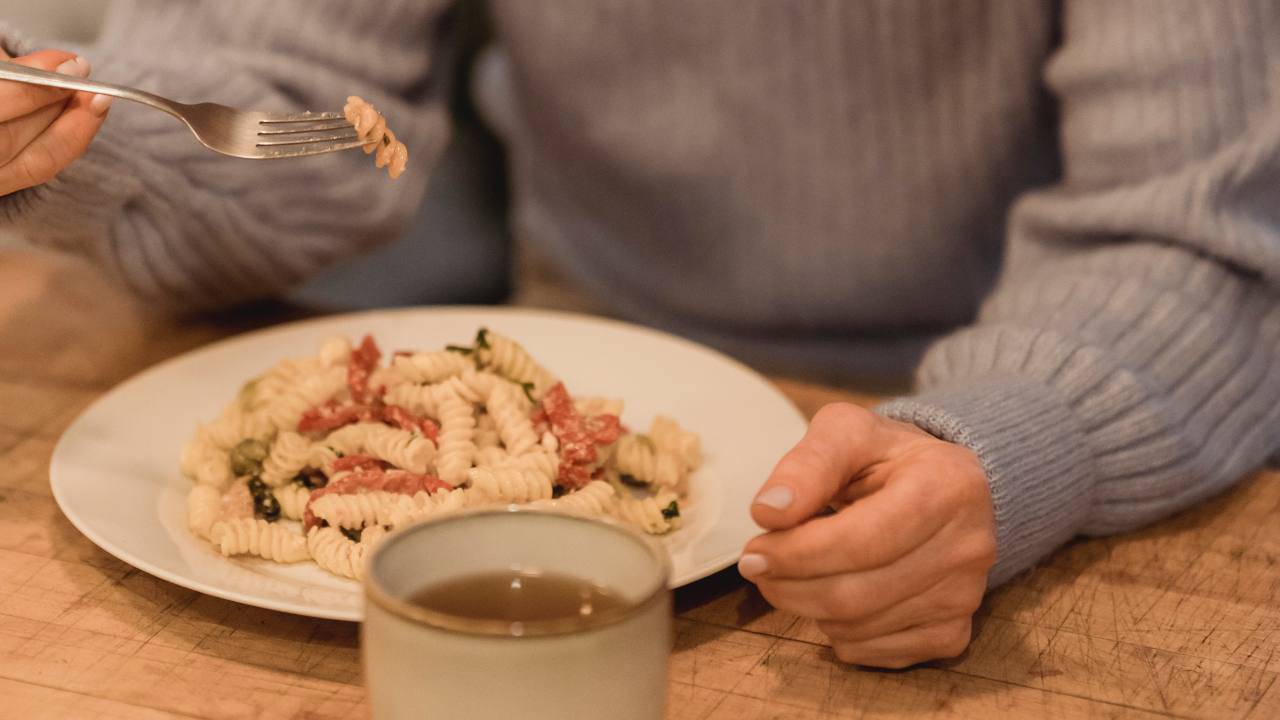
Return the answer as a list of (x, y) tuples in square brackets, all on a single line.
[(894, 577), (43, 130)]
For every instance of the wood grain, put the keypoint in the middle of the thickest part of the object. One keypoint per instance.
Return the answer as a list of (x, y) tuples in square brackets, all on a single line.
[(1179, 620)]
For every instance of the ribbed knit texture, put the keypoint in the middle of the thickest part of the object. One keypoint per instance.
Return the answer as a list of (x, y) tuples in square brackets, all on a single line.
[(1128, 364), (828, 183)]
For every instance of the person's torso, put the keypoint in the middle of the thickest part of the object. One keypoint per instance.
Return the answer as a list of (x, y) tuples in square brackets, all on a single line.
[(829, 169)]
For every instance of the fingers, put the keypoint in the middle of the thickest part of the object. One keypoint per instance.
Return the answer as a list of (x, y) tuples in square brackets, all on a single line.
[(937, 580), (56, 148), (955, 598), (871, 533), (19, 99), (847, 597), (840, 442), (908, 647), (15, 135)]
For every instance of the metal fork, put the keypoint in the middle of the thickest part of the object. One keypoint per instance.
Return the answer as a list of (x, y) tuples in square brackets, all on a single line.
[(239, 133)]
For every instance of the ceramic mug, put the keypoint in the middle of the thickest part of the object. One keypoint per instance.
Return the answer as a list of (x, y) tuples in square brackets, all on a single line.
[(421, 663)]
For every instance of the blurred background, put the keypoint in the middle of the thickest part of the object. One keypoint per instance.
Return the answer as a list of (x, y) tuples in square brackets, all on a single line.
[(461, 228)]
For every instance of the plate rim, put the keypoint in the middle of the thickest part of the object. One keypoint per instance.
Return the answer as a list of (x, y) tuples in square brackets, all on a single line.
[(356, 614)]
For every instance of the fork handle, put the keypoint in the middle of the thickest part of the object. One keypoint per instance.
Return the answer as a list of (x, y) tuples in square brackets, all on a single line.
[(33, 76)]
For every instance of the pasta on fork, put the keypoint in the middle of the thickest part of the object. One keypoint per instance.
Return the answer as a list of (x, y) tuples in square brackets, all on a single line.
[(371, 127)]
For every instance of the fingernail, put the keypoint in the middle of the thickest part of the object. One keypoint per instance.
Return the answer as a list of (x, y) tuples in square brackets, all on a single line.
[(751, 565), (778, 497), (100, 103), (78, 67)]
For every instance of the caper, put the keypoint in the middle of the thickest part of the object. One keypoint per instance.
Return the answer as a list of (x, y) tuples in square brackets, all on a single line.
[(247, 457)]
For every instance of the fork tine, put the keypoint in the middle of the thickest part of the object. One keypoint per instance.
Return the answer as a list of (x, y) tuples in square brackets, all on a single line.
[(322, 137), (292, 151), (301, 117), (292, 129)]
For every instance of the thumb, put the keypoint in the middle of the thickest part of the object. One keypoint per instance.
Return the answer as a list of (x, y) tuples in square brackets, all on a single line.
[(839, 444)]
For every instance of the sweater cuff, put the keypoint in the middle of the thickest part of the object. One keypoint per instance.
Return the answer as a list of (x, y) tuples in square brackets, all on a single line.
[(1034, 453)]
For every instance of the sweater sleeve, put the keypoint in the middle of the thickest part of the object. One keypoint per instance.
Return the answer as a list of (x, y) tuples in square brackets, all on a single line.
[(1127, 364), (186, 228)]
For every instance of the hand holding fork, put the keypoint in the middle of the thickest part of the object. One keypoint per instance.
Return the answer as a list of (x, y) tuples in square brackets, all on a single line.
[(50, 114)]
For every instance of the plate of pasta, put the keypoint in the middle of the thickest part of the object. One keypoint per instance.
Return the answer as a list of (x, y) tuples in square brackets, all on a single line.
[(264, 468)]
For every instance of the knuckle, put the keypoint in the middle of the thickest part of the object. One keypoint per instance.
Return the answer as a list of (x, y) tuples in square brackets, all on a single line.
[(833, 607), (34, 169), (8, 142), (977, 550), (951, 639), (847, 652), (843, 415)]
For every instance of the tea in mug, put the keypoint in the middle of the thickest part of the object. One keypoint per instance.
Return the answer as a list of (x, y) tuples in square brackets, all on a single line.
[(517, 596)]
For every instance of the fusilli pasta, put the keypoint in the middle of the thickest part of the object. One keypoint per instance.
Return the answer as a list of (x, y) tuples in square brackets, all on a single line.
[(637, 456), (510, 414), (669, 437), (509, 359), (293, 499), (372, 128), (507, 484), (431, 367), (351, 448), (290, 454), (655, 514), (457, 428), (253, 536)]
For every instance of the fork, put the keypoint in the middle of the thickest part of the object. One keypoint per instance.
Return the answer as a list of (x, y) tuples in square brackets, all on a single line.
[(239, 133)]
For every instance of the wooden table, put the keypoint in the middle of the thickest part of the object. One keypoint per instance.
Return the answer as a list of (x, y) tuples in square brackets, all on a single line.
[(1181, 620)]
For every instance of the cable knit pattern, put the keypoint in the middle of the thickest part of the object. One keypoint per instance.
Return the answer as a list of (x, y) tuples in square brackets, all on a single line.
[(1128, 364), (825, 185)]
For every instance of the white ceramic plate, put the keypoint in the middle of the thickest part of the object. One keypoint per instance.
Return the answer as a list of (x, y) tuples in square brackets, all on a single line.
[(115, 474)]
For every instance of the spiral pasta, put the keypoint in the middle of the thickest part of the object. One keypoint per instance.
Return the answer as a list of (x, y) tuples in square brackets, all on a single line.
[(353, 447), (597, 405), (252, 536), (507, 484), (669, 437), (290, 454), (372, 128), (388, 509), (655, 514), (336, 553), (205, 463), (509, 359), (431, 367), (335, 351), (507, 407), (490, 456), (457, 428), (540, 461), (286, 409), (293, 500), (596, 499), (486, 433), (417, 399), (280, 380), (401, 448), (470, 385), (235, 425), (638, 457), (204, 504)]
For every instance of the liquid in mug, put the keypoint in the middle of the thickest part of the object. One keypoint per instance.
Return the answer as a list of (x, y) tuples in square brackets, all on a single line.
[(517, 596)]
